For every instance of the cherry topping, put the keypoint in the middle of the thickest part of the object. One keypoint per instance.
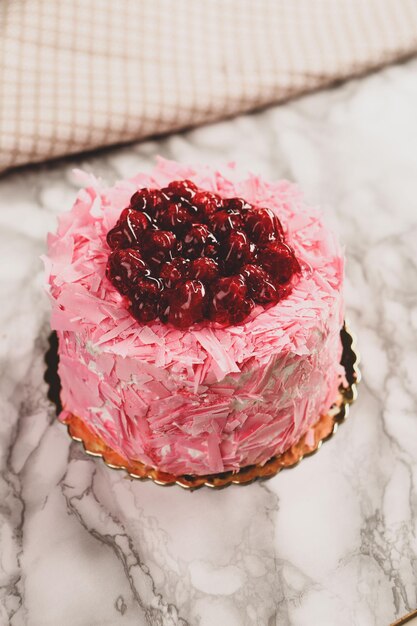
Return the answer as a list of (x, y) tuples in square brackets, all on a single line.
[(279, 260), (260, 285), (146, 200), (207, 204), (124, 268), (195, 241), (158, 246), (174, 217), (181, 189), (211, 247), (145, 299), (173, 272), (204, 269), (262, 225), (184, 255), (224, 222), (229, 300), (116, 238), (187, 304), (128, 229), (236, 250), (237, 204)]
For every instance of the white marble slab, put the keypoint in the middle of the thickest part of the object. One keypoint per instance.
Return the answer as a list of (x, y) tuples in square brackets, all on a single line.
[(330, 543)]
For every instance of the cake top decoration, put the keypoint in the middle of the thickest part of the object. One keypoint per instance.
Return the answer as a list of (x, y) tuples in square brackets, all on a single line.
[(186, 255)]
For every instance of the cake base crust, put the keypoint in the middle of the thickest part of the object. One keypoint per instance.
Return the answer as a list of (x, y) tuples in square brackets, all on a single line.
[(324, 428)]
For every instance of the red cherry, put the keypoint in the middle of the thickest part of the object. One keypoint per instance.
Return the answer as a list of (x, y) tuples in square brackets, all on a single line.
[(187, 304), (262, 225), (145, 299), (253, 274), (173, 272), (224, 222), (207, 204), (194, 241), (211, 248), (148, 286), (204, 269), (182, 189), (159, 246), (124, 268), (235, 250), (145, 311), (240, 310), (174, 217), (128, 230), (147, 200), (278, 228), (260, 286), (229, 302), (283, 291), (279, 261), (116, 238), (237, 204), (230, 287), (163, 305)]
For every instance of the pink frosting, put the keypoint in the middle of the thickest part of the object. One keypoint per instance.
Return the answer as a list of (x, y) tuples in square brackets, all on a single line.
[(206, 399)]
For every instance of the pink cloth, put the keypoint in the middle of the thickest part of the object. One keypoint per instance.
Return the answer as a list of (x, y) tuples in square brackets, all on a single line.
[(75, 75)]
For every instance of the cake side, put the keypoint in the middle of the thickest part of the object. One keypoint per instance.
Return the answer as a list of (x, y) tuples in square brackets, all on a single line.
[(207, 399), (152, 417)]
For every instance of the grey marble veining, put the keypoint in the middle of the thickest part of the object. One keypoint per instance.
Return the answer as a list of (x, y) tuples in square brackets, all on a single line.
[(331, 542)]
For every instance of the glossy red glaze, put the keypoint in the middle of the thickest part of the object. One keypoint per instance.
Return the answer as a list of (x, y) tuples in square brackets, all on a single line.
[(185, 255)]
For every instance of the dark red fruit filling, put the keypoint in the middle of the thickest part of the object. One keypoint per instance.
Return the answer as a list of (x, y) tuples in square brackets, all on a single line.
[(184, 255)]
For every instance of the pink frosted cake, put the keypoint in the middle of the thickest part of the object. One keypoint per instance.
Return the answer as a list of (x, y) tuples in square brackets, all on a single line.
[(198, 320)]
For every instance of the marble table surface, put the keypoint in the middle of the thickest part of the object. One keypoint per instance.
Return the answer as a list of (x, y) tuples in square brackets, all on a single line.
[(332, 542)]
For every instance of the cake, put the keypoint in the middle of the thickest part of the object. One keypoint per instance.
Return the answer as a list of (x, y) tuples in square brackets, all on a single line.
[(198, 314)]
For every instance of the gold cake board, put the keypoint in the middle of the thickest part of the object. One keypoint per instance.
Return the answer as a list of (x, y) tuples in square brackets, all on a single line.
[(410, 618), (325, 427)]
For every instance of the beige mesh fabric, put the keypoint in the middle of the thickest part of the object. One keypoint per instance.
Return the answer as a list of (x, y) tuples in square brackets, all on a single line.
[(77, 74)]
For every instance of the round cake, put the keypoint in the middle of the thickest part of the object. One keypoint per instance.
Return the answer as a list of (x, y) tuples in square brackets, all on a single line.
[(198, 314)]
